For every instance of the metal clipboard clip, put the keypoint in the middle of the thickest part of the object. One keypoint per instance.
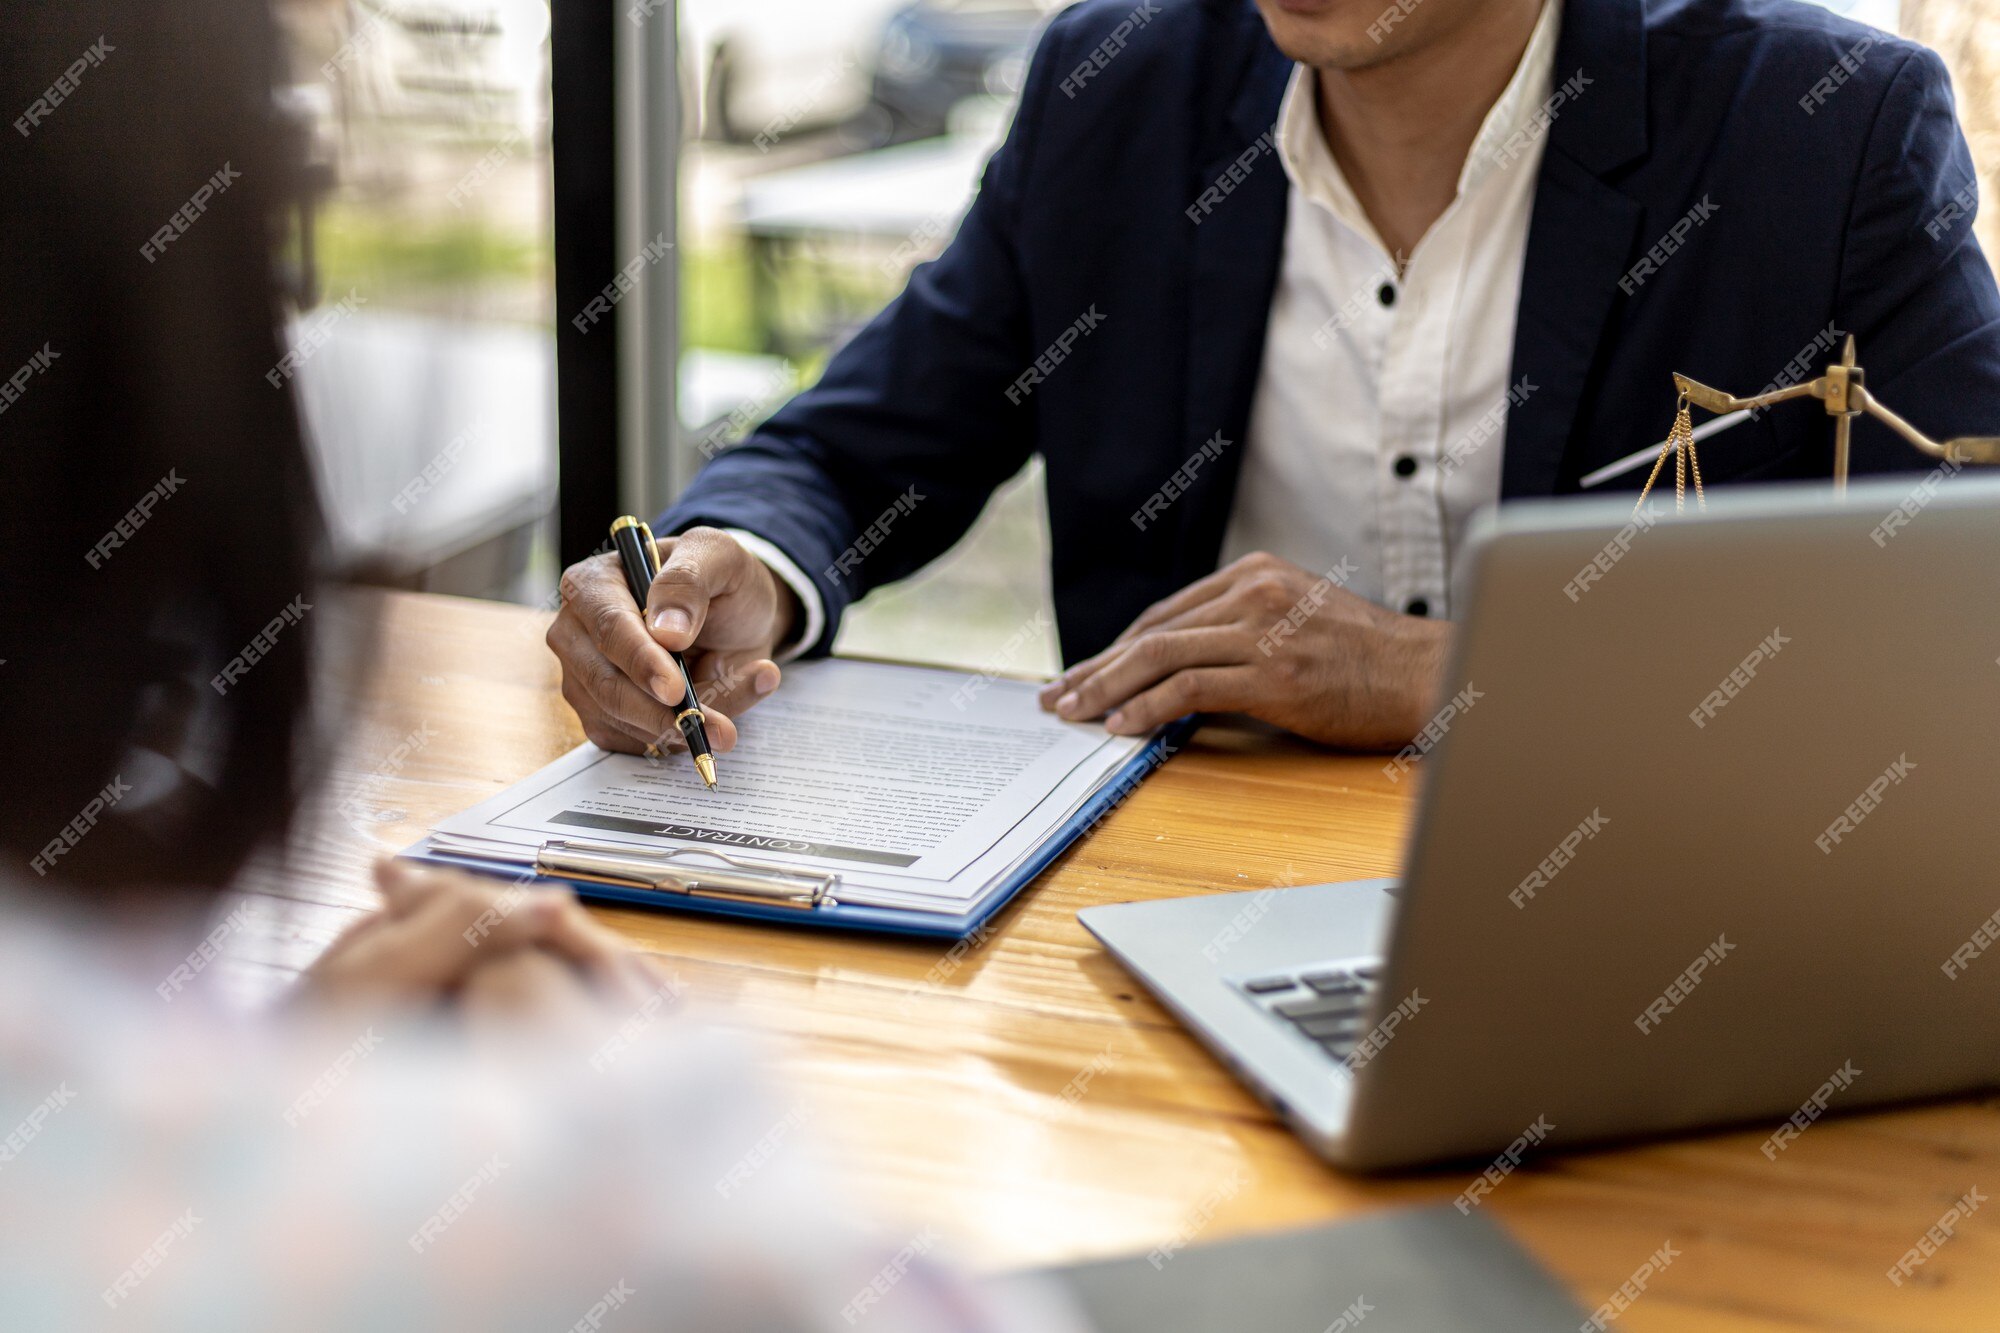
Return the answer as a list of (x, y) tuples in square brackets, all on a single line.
[(677, 871)]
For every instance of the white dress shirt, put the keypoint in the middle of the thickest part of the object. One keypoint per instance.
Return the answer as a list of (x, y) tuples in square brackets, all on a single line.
[(1377, 425)]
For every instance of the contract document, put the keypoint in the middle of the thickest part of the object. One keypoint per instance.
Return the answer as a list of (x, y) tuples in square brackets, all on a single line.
[(904, 787)]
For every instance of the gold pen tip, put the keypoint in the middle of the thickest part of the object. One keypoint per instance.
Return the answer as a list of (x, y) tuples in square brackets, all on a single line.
[(706, 765)]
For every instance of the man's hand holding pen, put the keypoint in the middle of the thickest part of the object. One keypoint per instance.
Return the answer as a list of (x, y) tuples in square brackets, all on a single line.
[(711, 600)]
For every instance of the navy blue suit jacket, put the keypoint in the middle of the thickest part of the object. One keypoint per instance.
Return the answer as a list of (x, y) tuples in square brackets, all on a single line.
[(1855, 214)]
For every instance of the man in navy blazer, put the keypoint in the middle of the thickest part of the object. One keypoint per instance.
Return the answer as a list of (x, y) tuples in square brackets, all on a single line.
[(1106, 300)]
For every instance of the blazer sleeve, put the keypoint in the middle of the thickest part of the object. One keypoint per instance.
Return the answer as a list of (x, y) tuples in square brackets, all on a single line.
[(1915, 289), (884, 463)]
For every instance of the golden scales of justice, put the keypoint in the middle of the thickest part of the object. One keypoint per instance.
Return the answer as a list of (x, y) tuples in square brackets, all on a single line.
[(1843, 389)]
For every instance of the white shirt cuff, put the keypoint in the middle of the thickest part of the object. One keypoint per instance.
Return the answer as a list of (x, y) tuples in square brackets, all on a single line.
[(795, 579)]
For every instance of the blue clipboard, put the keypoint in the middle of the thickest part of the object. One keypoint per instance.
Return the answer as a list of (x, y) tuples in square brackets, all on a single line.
[(846, 916)]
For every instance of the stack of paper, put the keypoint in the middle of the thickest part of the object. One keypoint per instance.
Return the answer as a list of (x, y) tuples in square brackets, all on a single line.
[(923, 790)]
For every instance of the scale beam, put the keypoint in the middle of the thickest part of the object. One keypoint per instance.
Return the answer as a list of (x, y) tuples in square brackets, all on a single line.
[(1843, 389)]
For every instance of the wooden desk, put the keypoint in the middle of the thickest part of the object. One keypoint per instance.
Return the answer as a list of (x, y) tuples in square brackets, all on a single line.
[(1032, 1102)]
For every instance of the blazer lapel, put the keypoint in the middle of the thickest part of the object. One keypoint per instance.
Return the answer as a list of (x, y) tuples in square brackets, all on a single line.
[(1581, 238), (1233, 272), (1580, 241)]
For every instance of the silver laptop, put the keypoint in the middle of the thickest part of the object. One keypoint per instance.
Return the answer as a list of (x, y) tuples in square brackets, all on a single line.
[(1713, 837)]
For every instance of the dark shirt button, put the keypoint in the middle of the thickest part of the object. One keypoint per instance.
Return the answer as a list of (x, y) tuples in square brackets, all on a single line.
[(1406, 466), (1386, 294), (1418, 607)]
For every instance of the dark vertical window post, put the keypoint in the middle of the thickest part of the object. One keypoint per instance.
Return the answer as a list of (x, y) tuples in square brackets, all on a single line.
[(582, 44)]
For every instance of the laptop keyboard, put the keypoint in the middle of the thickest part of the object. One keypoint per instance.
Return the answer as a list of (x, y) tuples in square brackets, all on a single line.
[(1327, 1003)]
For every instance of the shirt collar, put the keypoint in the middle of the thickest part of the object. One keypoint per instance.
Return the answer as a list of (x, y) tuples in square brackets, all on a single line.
[(1310, 164)]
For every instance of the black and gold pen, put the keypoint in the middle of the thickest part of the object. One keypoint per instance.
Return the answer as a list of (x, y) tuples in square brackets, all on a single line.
[(640, 556)]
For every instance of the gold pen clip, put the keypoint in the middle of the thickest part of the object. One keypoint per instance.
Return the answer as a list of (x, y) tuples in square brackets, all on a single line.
[(735, 880)]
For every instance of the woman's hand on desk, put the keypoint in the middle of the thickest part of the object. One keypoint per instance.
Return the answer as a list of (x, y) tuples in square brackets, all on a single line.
[(443, 935), (1270, 639), (713, 601)]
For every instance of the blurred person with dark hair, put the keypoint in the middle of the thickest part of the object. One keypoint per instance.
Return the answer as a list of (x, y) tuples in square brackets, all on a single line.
[(351, 1160)]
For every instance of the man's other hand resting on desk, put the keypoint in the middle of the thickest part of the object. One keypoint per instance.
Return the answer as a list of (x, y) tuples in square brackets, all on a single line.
[(1264, 637)]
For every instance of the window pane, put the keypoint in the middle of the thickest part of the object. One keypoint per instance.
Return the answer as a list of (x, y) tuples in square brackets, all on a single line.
[(424, 359), (839, 142)]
